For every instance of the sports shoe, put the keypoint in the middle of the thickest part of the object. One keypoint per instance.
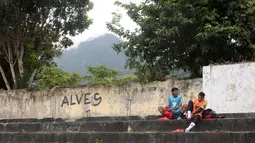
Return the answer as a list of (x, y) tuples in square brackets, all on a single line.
[(179, 118), (189, 115)]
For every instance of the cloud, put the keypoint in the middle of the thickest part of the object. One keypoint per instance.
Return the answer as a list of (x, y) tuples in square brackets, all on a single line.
[(102, 13)]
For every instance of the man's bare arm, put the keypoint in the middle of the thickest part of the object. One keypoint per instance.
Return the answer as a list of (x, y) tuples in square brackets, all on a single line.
[(198, 110), (176, 107), (166, 107)]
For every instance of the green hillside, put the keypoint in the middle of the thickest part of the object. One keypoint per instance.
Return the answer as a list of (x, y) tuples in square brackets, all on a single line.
[(93, 53)]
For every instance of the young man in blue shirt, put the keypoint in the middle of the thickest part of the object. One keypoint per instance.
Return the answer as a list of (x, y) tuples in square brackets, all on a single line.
[(174, 104)]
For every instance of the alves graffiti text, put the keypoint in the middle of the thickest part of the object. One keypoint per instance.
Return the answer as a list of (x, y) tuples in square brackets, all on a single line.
[(83, 98)]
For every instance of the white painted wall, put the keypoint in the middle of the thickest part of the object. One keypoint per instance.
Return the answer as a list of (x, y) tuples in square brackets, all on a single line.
[(230, 88)]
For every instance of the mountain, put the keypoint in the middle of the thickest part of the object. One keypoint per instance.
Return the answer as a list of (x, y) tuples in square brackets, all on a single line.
[(93, 53)]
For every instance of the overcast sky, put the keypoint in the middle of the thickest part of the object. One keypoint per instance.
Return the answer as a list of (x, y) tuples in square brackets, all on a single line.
[(102, 13)]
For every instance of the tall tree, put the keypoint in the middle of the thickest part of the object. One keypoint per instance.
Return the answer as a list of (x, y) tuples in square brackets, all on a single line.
[(5, 79), (102, 74), (49, 77), (106, 75), (40, 28), (185, 34)]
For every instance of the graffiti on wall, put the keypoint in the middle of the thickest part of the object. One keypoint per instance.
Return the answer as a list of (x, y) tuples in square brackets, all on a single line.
[(85, 99)]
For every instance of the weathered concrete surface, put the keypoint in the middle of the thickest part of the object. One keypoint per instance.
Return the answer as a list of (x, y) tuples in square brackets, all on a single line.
[(243, 124), (230, 88), (94, 100), (144, 130), (232, 137), (117, 118)]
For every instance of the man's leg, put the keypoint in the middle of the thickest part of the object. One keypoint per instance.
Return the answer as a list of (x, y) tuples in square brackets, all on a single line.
[(193, 123), (176, 114), (184, 108), (161, 110), (183, 112), (189, 109)]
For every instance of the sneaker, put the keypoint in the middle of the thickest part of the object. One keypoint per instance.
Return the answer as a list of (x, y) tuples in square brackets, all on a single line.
[(179, 118), (186, 130), (189, 115)]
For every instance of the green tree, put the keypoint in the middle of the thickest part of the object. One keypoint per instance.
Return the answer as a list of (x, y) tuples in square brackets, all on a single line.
[(49, 77), (40, 28), (106, 75), (126, 78), (102, 74), (3, 74), (185, 34)]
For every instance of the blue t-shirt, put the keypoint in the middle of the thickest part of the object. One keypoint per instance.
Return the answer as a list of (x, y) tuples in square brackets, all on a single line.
[(174, 102)]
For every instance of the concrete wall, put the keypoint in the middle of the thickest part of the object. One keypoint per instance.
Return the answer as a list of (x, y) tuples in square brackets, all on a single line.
[(230, 88), (94, 100)]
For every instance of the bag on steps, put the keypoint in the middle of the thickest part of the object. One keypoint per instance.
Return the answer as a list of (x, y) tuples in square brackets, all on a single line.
[(209, 114)]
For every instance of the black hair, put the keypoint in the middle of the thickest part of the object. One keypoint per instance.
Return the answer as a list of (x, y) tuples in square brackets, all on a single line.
[(173, 89), (202, 94)]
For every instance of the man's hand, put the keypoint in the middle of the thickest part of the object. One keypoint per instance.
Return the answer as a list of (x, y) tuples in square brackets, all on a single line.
[(198, 111), (167, 107), (176, 107)]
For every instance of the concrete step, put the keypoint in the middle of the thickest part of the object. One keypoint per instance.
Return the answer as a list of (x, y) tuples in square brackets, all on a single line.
[(118, 118), (231, 124), (229, 137)]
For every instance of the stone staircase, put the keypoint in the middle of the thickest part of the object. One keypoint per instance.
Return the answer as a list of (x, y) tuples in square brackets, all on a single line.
[(234, 128)]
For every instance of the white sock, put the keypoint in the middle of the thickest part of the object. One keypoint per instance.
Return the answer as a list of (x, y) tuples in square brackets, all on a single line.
[(190, 127), (189, 115)]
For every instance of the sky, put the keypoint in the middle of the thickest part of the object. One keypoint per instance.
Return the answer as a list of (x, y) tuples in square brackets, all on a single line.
[(102, 13)]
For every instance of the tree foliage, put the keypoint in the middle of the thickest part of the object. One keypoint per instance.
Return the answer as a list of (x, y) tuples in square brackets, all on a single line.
[(106, 75), (49, 77), (185, 34), (33, 32), (127, 78), (52, 76)]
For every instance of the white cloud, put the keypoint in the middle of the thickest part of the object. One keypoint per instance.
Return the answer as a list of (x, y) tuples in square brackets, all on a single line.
[(102, 13)]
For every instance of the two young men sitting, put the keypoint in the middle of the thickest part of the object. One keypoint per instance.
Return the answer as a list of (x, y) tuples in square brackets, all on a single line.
[(175, 109)]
